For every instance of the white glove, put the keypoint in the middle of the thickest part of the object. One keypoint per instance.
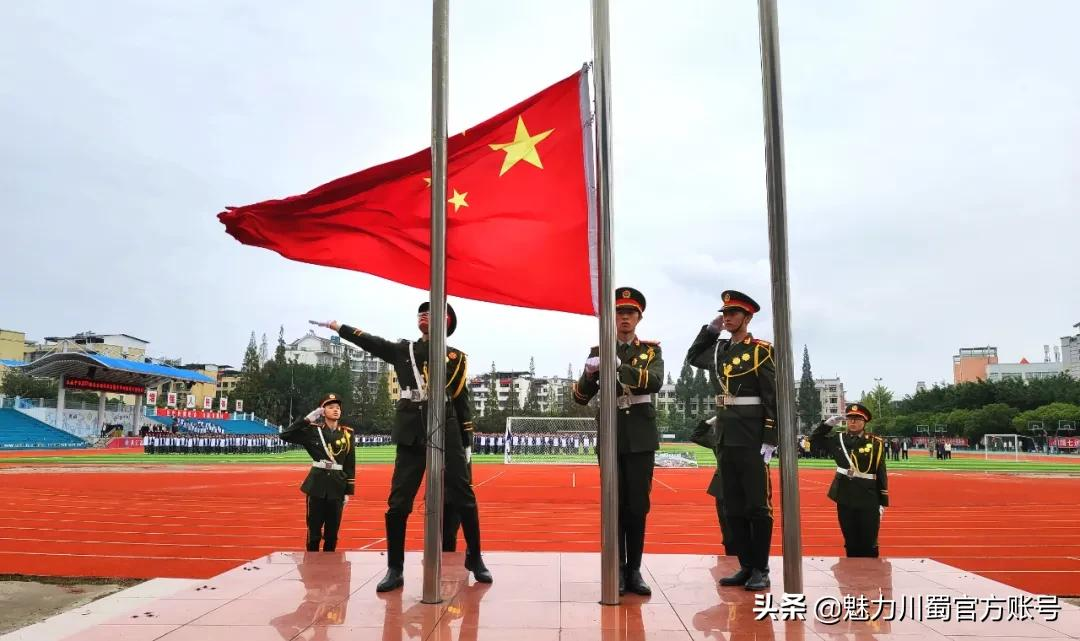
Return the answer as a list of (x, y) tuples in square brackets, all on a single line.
[(315, 415), (468, 455), (346, 499), (717, 324), (881, 510), (592, 365), (833, 421), (334, 325), (767, 452)]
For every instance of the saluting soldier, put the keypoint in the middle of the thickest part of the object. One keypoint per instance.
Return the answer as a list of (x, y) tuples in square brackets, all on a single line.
[(745, 378), (860, 488), (332, 477), (639, 375), (410, 361)]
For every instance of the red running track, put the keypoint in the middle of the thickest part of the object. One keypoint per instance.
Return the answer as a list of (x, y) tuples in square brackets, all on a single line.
[(198, 521)]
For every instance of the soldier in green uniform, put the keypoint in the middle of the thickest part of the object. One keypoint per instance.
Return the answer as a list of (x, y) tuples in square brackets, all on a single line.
[(860, 488), (745, 377), (704, 434), (410, 362), (332, 477), (639, 375)]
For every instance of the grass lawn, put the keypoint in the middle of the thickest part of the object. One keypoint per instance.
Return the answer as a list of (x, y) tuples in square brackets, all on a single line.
[(385, 454)]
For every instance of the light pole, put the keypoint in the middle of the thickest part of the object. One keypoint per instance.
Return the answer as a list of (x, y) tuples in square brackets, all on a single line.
[(877, 396)]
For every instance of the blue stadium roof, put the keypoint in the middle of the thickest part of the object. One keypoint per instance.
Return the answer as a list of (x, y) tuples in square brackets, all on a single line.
[(108, 369), (7, 363)]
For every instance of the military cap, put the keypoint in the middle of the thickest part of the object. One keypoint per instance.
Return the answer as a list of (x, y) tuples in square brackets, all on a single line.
[(425, 306), (629, 297), (738, 300), (858, 409), (330, 399)]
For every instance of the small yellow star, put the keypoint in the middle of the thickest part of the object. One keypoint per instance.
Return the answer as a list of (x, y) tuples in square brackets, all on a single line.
[(522, 147), (427, 179), (458, 201)]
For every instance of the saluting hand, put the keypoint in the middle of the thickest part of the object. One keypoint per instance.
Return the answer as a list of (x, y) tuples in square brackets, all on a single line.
[(315, 415), (833, 421), (717, 324)]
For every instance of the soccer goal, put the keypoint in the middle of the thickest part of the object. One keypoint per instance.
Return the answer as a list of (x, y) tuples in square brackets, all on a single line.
[(1001, 444)]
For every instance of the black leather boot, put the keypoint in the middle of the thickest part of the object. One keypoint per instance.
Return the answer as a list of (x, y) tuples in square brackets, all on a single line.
[(395, 552), (391, 581), (636, 584), (475, 564), (739, 578), (470, 528), (758, 581)]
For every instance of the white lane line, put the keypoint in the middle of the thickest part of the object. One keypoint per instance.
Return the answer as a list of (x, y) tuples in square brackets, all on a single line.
[(373, 543), (657, 479), (489, 479)]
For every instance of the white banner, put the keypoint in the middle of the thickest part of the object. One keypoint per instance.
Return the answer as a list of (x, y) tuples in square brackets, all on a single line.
[(208, 402), (151, 398), (171, 399), (191, 401), (239, 405), (223, 403)]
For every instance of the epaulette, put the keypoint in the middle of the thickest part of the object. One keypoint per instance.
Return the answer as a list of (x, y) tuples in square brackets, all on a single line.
[(653, 343), (763, 343), (347, 428)]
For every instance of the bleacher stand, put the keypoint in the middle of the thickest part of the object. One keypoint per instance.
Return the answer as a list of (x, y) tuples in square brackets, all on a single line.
[(19, 431)]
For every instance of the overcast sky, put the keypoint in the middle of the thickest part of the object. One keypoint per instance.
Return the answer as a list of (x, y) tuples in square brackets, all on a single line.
[(932, 163)]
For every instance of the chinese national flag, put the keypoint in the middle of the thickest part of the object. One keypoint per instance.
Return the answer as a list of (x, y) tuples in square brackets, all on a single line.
[(519, 231)]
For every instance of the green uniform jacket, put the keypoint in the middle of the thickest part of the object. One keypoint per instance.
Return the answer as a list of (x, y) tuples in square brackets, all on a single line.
[(410, 427), (745, 369), (867, 453), (641, 372), (323, 483)]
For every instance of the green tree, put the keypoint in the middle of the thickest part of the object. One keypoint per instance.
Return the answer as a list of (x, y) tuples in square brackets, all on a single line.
[(380, 414), (251, 357), (701, 391), (532, 398), (809, 400), (279, 351), (879, 400), (493, 420), (513, 399), (1049, 415), (16, 383), (684, 388)]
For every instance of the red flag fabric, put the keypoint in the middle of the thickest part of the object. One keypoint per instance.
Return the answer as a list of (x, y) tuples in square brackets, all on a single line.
[(519, 230)]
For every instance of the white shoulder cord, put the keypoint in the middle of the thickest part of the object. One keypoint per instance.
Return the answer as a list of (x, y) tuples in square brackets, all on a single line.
[(322, 439), (420, 384)]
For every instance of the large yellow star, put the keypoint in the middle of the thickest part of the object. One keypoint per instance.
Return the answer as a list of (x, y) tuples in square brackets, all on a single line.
[(458, 201), (522, 147)]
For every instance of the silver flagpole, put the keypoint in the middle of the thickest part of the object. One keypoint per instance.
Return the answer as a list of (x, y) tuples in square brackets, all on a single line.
[(609, 477), (436, 415), (785, 377)]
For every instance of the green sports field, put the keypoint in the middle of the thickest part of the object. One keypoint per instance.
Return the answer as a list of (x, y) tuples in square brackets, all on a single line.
[(385, 454)]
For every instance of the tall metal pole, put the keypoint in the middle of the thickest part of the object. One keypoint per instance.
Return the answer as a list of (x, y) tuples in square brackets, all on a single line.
[(436, 415), (785, 371), (609, 476)]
